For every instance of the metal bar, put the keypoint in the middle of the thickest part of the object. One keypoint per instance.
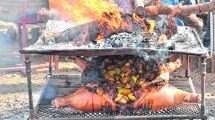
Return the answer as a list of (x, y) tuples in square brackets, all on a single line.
[(24, 31), (50, 65), (211, 30), (187, 71), (198, 38), (203, 77), (56, 64), (42, 93), (28, 73), (191, 85), (13, 53), (107, 51), (132, 117), (9, 69)]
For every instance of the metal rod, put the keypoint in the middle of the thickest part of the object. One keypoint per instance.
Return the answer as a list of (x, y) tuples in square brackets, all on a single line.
[(211, 18), (203, 77), (56, 64), (9, 69), (197, 37), (28, 73), (106, 51), (191, 85), (50, 65), (187, 72), (12, 53), (24, 31), (134, 117), (212, 32)]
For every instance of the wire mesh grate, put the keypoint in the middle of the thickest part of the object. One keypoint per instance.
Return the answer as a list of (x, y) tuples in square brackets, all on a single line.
[(47, 111), (55, 85)]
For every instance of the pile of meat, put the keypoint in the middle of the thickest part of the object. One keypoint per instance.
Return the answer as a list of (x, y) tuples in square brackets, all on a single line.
[(126, 83)]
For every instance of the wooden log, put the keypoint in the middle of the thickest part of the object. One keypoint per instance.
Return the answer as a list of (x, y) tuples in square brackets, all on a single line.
[(182, 11), (139, 7)]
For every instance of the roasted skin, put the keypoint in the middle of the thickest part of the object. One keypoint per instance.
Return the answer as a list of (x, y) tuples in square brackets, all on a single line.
[(154, 98), (166, 69), (165, 97), (85, 101), (121, 83)]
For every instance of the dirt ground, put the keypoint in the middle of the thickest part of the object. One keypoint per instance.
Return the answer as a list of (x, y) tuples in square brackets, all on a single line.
[(14, 96)]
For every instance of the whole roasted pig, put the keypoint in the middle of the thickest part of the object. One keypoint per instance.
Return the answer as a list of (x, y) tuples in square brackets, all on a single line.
[(120, 82), (154, 98)]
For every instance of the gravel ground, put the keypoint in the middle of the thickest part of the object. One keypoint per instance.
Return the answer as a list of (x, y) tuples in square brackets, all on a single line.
[(14, 96)]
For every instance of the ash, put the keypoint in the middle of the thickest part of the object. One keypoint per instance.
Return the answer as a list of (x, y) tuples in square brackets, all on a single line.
[(185, 40), (123, 39)]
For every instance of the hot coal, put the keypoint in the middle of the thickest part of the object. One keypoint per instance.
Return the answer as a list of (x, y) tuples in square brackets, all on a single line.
[(123, 39)]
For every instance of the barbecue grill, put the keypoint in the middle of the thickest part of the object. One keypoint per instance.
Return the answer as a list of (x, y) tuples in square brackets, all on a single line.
[(75, 39), (55, 83)]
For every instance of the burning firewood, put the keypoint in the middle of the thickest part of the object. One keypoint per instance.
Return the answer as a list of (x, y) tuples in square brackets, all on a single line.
[(107, 19)]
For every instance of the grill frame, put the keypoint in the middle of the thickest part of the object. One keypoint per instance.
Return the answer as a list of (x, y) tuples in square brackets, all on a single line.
[(202, 114), (202, 53)]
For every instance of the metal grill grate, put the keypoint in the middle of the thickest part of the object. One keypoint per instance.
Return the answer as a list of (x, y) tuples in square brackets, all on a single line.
[(46, 111)]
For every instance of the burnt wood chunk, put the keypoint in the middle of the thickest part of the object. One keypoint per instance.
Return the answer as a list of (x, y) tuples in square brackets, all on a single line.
[(61, 31)]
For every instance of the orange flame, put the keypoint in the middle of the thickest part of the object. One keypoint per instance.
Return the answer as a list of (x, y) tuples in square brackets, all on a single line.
[(112, 21), (81, 11), (151, 23)]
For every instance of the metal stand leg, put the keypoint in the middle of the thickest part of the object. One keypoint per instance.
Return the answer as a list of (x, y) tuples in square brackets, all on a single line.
[(56, 63), (50, 65), (203, 77), (187, 72), (28, 73)]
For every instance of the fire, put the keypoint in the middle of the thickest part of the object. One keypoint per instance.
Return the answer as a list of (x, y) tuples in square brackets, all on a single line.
[(81, 10), (145, 21), (112, 21), (108, 13)]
